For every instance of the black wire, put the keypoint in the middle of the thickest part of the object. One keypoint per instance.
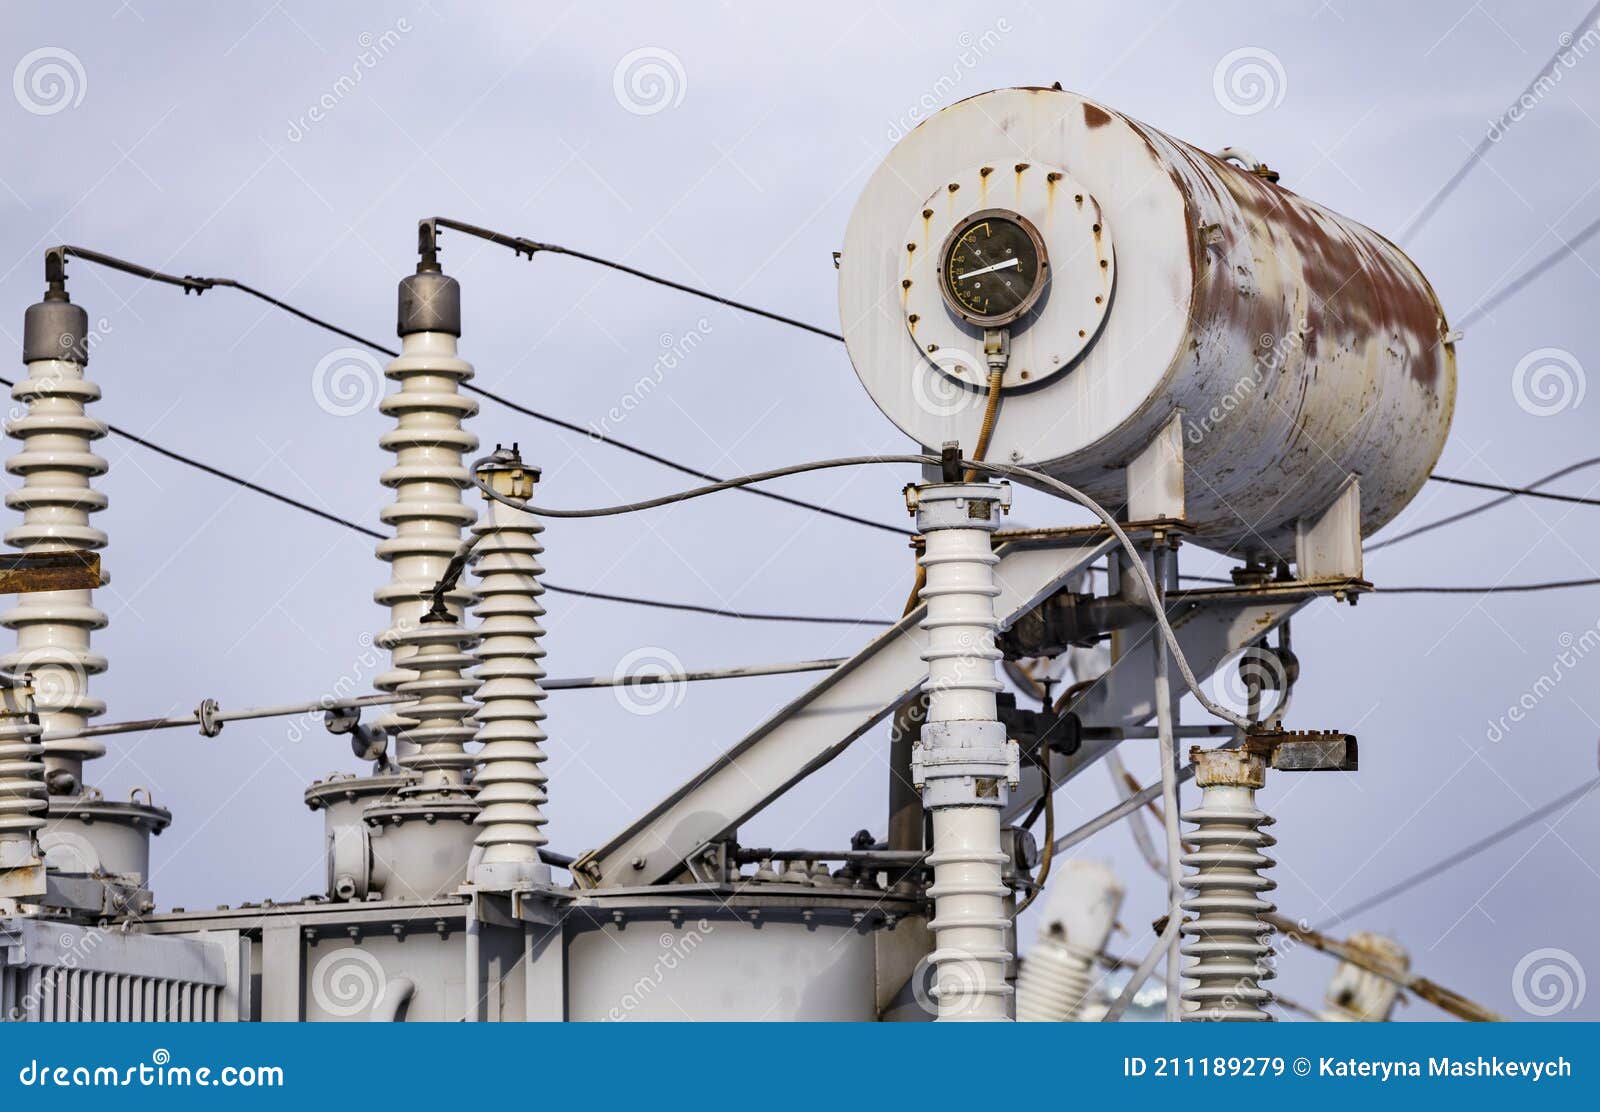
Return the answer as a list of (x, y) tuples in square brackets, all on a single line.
[(191, 284), (1482, 506), (1526, 492), (1527, 277), (190, 461), (200, 285), (530, 247), (1433, 204), (1576, 794), (1498, 589)]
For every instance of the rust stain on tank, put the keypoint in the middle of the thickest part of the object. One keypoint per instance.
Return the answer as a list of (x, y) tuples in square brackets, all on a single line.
[(1095, 117)]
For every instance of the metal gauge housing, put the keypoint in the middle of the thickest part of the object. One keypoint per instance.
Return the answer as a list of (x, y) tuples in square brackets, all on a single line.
[(993, 267)]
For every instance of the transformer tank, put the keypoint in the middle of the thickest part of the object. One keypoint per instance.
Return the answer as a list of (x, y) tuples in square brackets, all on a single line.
[(1297, 347)]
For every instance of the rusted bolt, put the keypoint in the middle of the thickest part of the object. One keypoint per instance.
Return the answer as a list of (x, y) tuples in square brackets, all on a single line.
[(927, 214), (954, 186), (985, 172), (1052, 176), (1021, 166)]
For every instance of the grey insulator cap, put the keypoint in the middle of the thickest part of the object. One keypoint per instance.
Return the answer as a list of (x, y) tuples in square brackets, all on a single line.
[(430, 302), (55, 330)]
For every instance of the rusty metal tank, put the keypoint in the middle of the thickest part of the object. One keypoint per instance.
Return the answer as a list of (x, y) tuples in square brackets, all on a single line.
[(1299, 347)]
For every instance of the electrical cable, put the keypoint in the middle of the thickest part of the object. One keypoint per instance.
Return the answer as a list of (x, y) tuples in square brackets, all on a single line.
[(528, 247), (1529, 276), (197, 286), (1433, 204), (1574, 796), (1526, 492), (214, 717), (1036, 478), (1482, 506)]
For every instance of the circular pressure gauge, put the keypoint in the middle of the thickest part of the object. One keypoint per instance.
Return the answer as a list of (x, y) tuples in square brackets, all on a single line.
[(993, 267)]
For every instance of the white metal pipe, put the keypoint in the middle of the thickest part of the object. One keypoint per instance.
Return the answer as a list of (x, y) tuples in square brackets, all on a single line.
[(312, 706), (1166, 708), (964, 762)]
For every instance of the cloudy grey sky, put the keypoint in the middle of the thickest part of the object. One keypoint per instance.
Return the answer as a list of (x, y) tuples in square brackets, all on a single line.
[(186, 139)]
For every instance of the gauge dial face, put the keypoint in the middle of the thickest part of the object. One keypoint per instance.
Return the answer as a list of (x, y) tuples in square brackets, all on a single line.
[(994, 267)]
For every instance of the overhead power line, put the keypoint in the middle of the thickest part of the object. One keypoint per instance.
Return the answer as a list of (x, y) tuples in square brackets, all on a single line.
[(1482, 506), (1526, 492), (521, 246), (196, 285), (1529, 276), (192, 284), (1433, 204), (1573, 797)]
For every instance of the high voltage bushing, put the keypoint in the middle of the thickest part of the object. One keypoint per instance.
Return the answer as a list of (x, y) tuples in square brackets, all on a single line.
[(1227, 937), (428, 475), (964, 763), (57, 465), (23, 797), (421, 835), (511, 777)]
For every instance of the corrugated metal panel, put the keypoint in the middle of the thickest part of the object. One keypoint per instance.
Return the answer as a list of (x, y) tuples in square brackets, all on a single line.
[(60, 973)]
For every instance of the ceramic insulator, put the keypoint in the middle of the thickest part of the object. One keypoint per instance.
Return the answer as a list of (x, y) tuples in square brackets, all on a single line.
[(1227, 939), (23, 797), (57, 465), (963, 759), (427, 512), (511, 777)]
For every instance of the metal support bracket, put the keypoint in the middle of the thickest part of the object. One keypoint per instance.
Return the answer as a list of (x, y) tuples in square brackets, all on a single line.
[(1329, 547), (1155, 475), (819, 725)]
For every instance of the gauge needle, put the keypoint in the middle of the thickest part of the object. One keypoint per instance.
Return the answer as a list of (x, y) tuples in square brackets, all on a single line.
[(987, 269)]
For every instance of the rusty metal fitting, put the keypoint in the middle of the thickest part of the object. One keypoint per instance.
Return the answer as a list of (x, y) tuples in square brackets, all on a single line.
[(1237, 768)]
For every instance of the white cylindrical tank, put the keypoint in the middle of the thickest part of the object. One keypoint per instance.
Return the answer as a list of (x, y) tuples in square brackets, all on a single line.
[(1299, 347)]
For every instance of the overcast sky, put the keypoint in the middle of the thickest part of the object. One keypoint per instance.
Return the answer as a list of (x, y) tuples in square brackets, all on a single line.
[(221, 140)]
